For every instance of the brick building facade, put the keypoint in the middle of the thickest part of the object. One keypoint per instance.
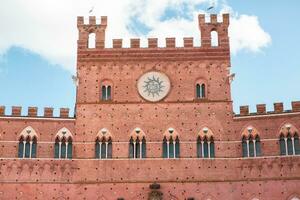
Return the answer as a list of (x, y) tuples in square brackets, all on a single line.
[(152, 123)]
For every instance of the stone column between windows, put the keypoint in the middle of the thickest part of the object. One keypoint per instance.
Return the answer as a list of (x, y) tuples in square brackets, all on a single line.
[(293, 145), (59, 150), (134, 150), (100, 146), (208, 148), (66, 155), (24, 144), (106, 97), (248, 154), (106, 145), (174, 150), (141, 148), (254, 146), (168, 148), (30, 148), (286, 148), (202, 149)]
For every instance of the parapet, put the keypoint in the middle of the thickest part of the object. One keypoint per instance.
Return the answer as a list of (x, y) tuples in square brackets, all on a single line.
[(16, 111), (206, 28), (261, 109)]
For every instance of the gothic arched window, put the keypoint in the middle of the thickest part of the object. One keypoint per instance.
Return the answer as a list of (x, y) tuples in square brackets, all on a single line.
[(205, 144), (27, 143), (103, 148), (63, 147), (251, 143), (289, 140), (137, 147), (205, 147)]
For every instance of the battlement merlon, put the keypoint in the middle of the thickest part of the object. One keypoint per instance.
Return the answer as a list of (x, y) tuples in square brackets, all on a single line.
[(91, 27), (16, 111), (206, 28), (261, 109)]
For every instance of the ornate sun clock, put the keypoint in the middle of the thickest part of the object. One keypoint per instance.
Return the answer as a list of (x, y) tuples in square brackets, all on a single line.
[(153, 86)]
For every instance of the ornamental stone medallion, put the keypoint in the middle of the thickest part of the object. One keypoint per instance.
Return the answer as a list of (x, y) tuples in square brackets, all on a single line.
[(153, 86)]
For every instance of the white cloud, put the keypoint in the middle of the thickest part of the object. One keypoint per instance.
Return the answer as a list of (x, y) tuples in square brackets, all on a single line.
[(48, 27), (246, 34)]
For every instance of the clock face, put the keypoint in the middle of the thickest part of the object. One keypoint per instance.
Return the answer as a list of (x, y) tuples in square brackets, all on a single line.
[(153, 86)]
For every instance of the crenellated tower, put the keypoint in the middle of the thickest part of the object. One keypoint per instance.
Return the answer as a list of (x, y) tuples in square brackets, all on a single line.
[(91, 28), (207, 29)]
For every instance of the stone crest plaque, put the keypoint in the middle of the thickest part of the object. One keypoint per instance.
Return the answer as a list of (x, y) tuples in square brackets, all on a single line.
[(153, 86)]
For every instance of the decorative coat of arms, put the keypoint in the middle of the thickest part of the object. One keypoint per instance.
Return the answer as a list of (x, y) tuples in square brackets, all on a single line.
[(153, 86)]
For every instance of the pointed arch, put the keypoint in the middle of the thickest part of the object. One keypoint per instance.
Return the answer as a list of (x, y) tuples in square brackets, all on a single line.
[(63, 146), (287, 128), (103, 144), (28, 132), (27, 143), (251, 146), (104, 134), (171, 144), (289, 140), (205, 143), (137, 144)]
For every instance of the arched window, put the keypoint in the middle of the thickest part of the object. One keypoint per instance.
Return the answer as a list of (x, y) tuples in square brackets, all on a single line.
[(137, 147), (106, 92), (205, 147), (297, 145), (27, 143), (257, 146), (289, 144), (214, 38), (103, 148), (289, 140), (63, 147), (245, 147), (200, 91), (205, 144), (165, 148), (251, 143), (92, 40), (171, 147), (282, 145)]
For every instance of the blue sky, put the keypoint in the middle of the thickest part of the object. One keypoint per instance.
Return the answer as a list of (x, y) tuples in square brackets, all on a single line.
[(37, 60)]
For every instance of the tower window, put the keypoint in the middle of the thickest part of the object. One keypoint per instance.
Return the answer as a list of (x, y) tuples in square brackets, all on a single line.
[(214, 38), (106, 92), (92, 40), (200, 90)]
